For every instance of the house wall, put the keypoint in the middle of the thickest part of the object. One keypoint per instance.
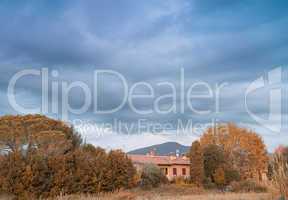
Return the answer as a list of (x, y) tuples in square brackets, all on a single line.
[(169, 171)]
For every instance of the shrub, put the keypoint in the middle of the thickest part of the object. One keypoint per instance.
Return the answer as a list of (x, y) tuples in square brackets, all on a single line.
[(152, 176), (208, 184), (180, 181), (231, 175), (247, 186)]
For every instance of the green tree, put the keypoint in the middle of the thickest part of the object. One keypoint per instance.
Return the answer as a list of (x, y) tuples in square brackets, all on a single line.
[(231, 175), (196, 164), (213, 159)]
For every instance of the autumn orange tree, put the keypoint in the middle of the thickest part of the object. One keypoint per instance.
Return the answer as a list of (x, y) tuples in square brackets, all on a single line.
[(219, 177), (25, 133), (42, 157), (120, 171), (27, 144), (244, 148), (12, 167), (91, 165)]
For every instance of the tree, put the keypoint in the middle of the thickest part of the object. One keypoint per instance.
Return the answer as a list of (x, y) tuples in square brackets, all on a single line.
[(12, 167), (219, 177), (213, 159), (231, 175), (63, 169), (85, 170), (25, 133), (42, 157), (37, 176), (239, 159), (196, 164), (120, 171), (280, 174), (251, 146), (91, 164)]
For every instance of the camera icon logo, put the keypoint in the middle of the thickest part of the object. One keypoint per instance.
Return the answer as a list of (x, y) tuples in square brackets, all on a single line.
[(272, 83)]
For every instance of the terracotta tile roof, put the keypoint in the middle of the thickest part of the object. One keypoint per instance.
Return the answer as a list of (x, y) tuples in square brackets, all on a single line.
[(159, 160)]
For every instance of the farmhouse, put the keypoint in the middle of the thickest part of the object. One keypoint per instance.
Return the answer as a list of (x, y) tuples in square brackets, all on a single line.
[(171, 166)]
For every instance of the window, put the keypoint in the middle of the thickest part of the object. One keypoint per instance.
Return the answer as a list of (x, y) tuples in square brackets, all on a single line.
[(183, 171), (164, 171), (174, 172)]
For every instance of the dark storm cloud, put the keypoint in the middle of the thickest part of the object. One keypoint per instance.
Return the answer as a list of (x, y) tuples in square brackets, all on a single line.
[(214, 41)]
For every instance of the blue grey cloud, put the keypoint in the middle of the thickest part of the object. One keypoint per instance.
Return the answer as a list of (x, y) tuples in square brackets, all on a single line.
[(222, 41)]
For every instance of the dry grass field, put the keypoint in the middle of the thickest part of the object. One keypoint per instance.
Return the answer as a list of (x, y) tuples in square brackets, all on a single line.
[(173, 193), (229, 196), (169, 192)]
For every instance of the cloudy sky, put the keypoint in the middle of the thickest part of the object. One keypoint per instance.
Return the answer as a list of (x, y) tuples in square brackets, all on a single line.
[(226, 42)]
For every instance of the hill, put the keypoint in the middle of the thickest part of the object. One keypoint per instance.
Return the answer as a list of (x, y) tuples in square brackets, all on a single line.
[(167, 148)]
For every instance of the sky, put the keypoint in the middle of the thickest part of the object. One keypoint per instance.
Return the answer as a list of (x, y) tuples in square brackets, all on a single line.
[(211, 43)]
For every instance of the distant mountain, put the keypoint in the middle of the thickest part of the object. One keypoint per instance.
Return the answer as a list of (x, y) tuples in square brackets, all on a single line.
[(167, 148)]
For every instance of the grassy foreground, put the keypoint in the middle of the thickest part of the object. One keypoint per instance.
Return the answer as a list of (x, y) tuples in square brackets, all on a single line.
[(229, 196), (167, 192), (172, 192)]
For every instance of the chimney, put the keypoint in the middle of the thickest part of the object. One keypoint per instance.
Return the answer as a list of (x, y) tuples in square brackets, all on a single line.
[(177, 153), (184, 157)]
